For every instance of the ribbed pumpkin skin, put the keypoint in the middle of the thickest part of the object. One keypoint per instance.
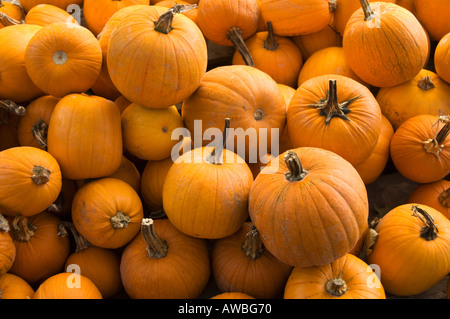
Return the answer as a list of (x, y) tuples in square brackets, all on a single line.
[(331, 195), (63, 4), (7, 252), (11, 10), (295, 17), (45, 14), (14, 287), (428, 194), (434, 17), (400, 251), (441, 58), (19, 194), (309, 283), (56, 287), (94, 123), (387, 50), (175, 61), (182, 274), (15, 83)]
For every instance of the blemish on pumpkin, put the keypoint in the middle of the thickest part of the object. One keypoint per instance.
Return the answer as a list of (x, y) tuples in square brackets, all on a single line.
[(60, 57), (164, 129), (259, 114)]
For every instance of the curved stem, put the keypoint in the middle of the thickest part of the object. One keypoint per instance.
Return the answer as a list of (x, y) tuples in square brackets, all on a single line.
[(436, 144), (80, 242), (39, 131), (270, 43), (164, 22), (12, 107), (426, 83), (253, 246), (444, 198), (156, 247), (430, 230), (235, 36), (4, 225), (41, 175), (296, 171), (57, 206), (369, 14), (22, 229), (7, 21), (216, 154)]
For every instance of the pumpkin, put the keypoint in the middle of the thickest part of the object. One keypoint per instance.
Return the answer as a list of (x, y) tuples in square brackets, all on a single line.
[(30, 180), (128, 172), (312, 42), (399, 56), (435, 195), (98, 12), (433, 16), (94, 123), (345, 278), (330, 60), (100, 265), (232, 295), (327, 190), (107, 212), (420, 148), (277, 56), (33, 125), (252, 100), (336, 113), (285, 141), (240, 263), (63, 58), (191, 14), (374, 165), (14, 287), (147, 132), (67, 286), (407, 4), (63, 4), (405, 235), (7, 247), (15, 83), (139, 44), (11, 10), (296, 17), (188, 1), (45, 14), (103, 86), (228, 23), (217, 178), (39, 242), (441, 58), (426, 93), (163, 263)]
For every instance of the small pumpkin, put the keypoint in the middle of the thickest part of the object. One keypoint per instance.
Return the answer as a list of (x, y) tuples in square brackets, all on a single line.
[(57, 287), (310, 43), (435, 195), (7, 247), (14, 287), (45, 14), (10, 10), (348, 277), (433, 16), (441, 58)]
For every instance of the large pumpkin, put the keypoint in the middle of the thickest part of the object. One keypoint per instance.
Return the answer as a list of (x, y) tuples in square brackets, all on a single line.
[(313, 210), (384, 44), (157, 65), (435, 195)]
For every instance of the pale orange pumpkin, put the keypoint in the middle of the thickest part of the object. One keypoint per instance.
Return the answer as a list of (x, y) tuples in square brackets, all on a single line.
[(433, 16)]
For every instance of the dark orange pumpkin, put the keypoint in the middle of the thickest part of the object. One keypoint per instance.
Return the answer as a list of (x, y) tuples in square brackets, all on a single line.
[(14, 287), (434, 17), (129, 173), (63, 4), (232, 295), (435, 195), (7, 248)]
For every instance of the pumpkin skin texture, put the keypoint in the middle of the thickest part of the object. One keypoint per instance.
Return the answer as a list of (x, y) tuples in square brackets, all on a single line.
[(40, 243), (345, 278), (295, 17), (403, 45), (441, 58), (327, 190), (239, 263), (45, 14), (15, 83), (232, 295), (405, 236), (11, 10), (94, 122), (433, 16), (310, 43), (56, 287), (136, 45), (63, 58), (163, 263), (418, 153), (63, 4), (7, 247), (30, 181), (318, 117), (14, 287), (434, 195), (107, 212), (425, 94)]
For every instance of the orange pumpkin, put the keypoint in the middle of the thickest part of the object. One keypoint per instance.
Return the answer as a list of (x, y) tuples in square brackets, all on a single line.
[(94, 123), (11, 10), (406, 234), (7, 248), (163, 263), (174, 74), (435, 195), (327, 190), (57, 287), (399, 55), (63, 58), (310, 43), (30, 180), (45, 14), (420, 148), (345, 278), (441, 58), (433, 16), (336, 113), (128, 172), (232, 295), (107, 212), (425, 94), (14, 287), (63, 4), (285, 141), (407, 4), (191, 14)]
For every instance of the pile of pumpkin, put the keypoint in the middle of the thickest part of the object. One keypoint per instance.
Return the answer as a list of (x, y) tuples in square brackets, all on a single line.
[(99, 194)]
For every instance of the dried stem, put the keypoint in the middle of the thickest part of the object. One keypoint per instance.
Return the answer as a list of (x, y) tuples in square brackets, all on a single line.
[(156, 247)]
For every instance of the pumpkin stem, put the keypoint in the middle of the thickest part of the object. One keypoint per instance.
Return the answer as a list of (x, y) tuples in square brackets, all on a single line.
[(270, 43), (430, 230), (23, 230), (4, 225), (296, 170), (253, 246), (332, 5), (336, 287), (120, 220), (39, 130), (444, 198), (12, 107), (164, 22), (57, 206), (41, 175), (369, 14), (7, 21), (81, 243), (235, 36), (156, 247), (436, 144), (216, 154), (426, 83)]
